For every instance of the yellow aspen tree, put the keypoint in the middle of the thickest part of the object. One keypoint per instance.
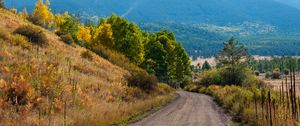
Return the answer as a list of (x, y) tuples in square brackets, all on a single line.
[(42, 14), (60, 20), (84, 34), (104, 35)]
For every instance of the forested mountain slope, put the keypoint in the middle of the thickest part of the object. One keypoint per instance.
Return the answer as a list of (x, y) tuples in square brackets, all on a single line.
[(201, 25), (220, 12)]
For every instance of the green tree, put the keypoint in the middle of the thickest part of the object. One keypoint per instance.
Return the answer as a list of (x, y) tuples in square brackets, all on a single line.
[(67, 24), (129, 39), (234, 60), (206, 66), (166, 58), (155, 56), (183, 68), (104, 35)]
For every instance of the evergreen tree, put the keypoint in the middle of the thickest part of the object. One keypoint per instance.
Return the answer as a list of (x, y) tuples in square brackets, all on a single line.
[(234, 60), (206, 66)]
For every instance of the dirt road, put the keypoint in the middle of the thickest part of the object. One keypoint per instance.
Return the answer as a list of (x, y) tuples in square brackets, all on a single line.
[(190, 109)]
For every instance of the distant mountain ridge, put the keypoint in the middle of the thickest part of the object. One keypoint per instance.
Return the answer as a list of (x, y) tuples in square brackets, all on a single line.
[(293, 3), (218, 12), (266, 27)]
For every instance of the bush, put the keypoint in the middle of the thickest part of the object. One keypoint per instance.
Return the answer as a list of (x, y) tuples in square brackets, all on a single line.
[(142, 80), (87, 55), (34, 34), (268, 75), (19, 92), (276, 74), (19, 40), (164, 88), (116, 58), (253, 81), (256, 73), (286, 72), (211, 77), (13, 10), (67, 38)]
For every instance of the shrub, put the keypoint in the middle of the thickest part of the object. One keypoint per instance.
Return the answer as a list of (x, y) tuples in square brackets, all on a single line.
[(4, 34), (19, 40), (60, 33), (211, 77), (19, 92), (34, 34), (142, 80), (256, 73), (67, 38), (116, 58), (253, 81), (268, 75), (286, 72), (164, 88), (87, 55), (276, 74)]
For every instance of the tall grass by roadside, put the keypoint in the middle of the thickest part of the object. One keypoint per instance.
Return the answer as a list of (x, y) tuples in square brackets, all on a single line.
[(260, 106)]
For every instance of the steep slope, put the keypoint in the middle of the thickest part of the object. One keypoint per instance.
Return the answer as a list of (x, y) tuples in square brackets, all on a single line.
[(58, 86), (219, 12)]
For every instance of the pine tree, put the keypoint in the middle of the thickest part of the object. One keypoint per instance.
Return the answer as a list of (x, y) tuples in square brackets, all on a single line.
[(206, 66), (234, 60)]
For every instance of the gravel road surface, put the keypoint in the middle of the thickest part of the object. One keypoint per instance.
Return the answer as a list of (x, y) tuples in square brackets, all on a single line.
[(190, 109)]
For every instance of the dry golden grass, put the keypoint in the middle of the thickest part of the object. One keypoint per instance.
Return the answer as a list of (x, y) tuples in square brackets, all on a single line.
[(67, 89), (276, 84)]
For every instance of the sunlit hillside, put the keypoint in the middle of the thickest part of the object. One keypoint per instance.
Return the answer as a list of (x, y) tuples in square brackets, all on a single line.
[(54, 84)]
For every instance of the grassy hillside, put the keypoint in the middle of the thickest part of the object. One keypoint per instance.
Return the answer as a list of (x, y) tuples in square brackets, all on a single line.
[(53, 84)]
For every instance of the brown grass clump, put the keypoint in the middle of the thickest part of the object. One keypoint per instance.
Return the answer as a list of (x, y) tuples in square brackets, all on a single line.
[(34, 34), (142, 80), (4, 34), (87, 55), (19, 40), (19, 91)]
